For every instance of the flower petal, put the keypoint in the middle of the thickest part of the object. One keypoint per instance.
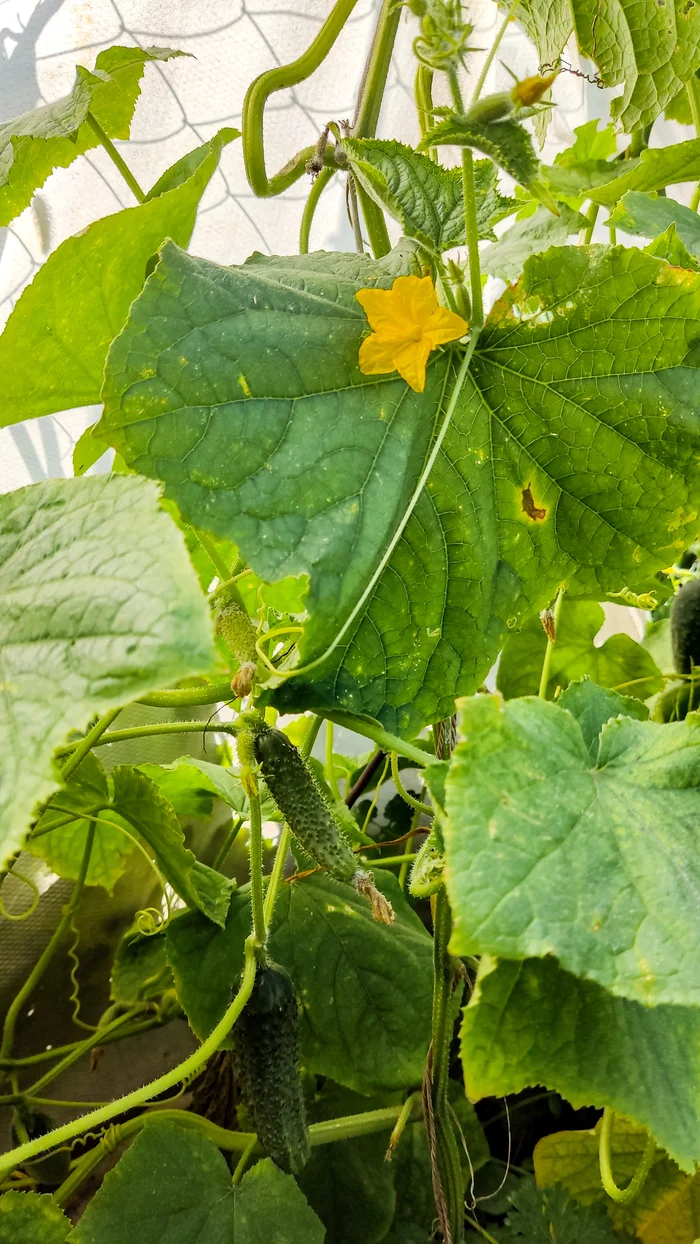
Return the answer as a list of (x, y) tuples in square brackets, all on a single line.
[(386, 312), (410, 362), (376, 356), (444, 326), (417, 296)]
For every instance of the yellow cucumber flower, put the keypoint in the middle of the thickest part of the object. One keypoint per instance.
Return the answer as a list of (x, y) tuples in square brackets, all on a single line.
[(407, 323)]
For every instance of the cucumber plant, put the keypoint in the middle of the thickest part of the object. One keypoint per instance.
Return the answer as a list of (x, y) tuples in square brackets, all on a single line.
[(446, 986)]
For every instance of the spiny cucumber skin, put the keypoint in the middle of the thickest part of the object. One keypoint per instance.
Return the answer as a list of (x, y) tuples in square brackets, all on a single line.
[(685, 627), (236, 629), (267, 1067), (294, 790)]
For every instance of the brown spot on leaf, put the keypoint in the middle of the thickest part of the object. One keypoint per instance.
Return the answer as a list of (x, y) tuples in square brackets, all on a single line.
[(529, 507)]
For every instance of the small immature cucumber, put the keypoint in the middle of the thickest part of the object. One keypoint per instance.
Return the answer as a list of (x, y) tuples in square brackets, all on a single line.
[(685, 627), (293, 788), (267, 1067)]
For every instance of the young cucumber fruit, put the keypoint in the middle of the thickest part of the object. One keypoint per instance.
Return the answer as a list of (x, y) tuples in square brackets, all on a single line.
[(685, 627), (293, 788), (267, 1067)]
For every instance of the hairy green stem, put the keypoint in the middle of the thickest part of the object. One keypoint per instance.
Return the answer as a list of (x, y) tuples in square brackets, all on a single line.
[(138, 1097), (390, 861), (409, 855), (470, 221), (222, 570), (354, 210), (591, 217), (492, 52), (317, 188), (162, 727), (621, 1195), (407, 798), (37, 972), (547, 662), (277, 874), (693, 89), (370, 729), (367, 115), (328, 1132), (278, 79), (423, 93), (116, 159), (447, 1152), (330, 766), (78, 751), (228, 843), (255, 853)]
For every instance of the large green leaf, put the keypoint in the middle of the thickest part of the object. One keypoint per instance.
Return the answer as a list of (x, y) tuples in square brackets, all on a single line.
[(139, 801), (656, 167), (270, 1208), (593, 706), (425, 198), (647, 215), (653, 49), (63, 848), (532, 1023), (619, 662), (669, 246), (26, 1218), (170, 1180), (54, 346), (54, 135), (571, 457), (530, 236), (101, 605), (364, 988), (596, 864), (506, 142)]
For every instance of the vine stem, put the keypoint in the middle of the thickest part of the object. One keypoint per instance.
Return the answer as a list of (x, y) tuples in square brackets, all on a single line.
[(329, 1132), (330, 766), (470, 221), (621, 1195), (144, 732), (547, 662), (367, 114), (693, 89), (278, 79), (371, 729), (116, 159), (317, 189), (591, 217), (78, 751), (256, 874), (407, 798), (30, 984), (82, 1047), (494, 48), (228, 843), (130, 1101)]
